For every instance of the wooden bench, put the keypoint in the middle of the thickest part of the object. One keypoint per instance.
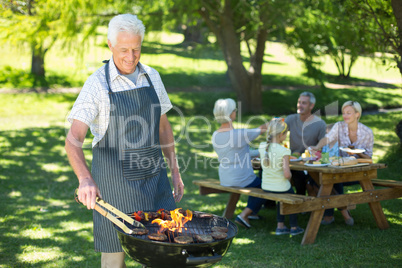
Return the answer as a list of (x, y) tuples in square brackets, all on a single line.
[(301, 203), (210, 186), (386, 183)]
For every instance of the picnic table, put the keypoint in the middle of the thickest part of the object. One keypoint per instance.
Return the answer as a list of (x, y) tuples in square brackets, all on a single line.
[(325, 177)]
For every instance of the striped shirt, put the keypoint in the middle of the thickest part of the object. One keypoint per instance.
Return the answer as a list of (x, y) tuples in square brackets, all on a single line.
[(92, 106), (365, 137)]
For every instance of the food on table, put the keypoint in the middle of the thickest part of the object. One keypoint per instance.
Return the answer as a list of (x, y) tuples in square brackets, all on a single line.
[(203, 238), (219, 229), (157, 237), (365, 160), (219, 235), (183, 239), (306, 154), (345, 161), (325, 158)]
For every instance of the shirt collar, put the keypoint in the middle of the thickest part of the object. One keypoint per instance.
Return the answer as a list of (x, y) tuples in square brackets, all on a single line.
[(114, 73)]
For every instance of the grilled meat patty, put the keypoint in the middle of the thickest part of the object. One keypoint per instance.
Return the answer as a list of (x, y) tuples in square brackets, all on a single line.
[(221, 229), (203, 238), (219, 235), (157, 237), (184, 239)]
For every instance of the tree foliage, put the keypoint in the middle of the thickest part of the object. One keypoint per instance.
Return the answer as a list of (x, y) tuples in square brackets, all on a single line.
[(39, 24), (383, 21), (234, 23), (321, 28)]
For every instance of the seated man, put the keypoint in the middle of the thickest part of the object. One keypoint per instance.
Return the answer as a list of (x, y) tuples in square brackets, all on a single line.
[(306, 130)]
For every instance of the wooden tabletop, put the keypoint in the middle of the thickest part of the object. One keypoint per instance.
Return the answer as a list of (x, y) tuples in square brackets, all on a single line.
[(336, 169)]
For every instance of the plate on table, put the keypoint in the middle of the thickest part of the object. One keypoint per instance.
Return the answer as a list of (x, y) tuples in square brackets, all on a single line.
[(353, 151), (316, 165), (295, 160)]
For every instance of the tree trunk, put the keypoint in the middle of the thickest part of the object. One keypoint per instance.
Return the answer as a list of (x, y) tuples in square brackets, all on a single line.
[(195, 34), (38, 61), (247, 84), (255, 71), (397, 9)]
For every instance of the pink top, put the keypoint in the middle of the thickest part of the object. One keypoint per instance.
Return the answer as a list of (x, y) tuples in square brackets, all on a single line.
[(365, 137)]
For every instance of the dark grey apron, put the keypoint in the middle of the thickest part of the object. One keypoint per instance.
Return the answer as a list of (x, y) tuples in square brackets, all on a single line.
[(127, 164)]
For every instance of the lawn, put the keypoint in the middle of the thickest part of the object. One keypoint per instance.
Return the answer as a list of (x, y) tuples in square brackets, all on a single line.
[(42, 226)]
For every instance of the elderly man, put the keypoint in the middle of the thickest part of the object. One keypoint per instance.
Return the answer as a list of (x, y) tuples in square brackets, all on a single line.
[(124, 103), (306, 130)]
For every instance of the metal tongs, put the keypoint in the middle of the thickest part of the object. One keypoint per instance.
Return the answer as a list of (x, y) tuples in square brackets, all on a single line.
[(100, 202)]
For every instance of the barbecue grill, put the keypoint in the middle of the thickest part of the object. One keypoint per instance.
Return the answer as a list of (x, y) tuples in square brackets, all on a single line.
[(152, 253)]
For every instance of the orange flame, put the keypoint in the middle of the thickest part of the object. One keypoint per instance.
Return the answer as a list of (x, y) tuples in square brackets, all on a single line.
[(177, 222)]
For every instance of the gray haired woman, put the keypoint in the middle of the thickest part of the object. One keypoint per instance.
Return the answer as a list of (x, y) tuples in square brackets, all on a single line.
[(232, 148)]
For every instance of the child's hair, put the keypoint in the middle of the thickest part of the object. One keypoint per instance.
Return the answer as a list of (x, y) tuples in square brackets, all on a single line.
[(276, 126)]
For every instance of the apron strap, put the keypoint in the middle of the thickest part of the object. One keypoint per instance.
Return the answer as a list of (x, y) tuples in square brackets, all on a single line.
[(107, 76), (149, 80)]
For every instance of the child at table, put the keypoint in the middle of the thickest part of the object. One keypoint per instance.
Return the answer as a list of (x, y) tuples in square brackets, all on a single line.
[(276, 172)]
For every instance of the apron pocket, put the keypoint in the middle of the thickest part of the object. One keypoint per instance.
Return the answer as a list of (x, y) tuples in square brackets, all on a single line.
[(141, 163)]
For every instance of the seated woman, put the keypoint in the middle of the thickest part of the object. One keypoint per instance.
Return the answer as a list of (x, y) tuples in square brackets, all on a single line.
[(232, 148), (349, 132)]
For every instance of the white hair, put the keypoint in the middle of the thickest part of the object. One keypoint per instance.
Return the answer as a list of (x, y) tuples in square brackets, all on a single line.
[(125, 23), (355, 105), (310, 95), (223, 109)]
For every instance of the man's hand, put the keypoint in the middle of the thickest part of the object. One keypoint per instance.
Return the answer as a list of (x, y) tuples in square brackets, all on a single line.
[(178, 186), (87, 192)]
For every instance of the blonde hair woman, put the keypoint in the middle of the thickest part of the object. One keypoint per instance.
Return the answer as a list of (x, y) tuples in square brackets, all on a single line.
[(349, 132), (276, 173), (233, 150)]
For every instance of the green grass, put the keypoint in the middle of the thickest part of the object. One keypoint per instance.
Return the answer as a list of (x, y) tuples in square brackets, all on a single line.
[(42, 226)]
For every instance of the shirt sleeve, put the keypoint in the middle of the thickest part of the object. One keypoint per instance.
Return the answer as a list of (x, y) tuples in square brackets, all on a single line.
[(249, 135), (86, 106), (254, 152), (369, 142), (286, 151), (160, 89), (322, 130), (333, 133), (288, 120)]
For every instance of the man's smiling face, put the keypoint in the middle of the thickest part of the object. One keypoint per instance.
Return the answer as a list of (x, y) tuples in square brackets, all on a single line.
[(126, 52)]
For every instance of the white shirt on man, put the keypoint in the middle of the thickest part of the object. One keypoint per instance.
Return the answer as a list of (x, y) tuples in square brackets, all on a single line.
[(92, 106)]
